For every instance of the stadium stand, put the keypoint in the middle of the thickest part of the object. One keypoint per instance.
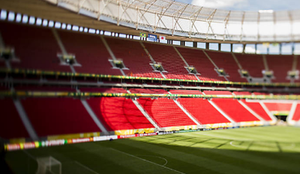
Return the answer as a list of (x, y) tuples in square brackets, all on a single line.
[(45, 88), (226, 61), (55, 116), (202, 110), (148, 91), (11, 125), (2, 64), (280, 66), (278, 106), (118, 113), (242, 93), (37, 49), (198, 59), (165, 112), (217, 92), (252, 63), (236, 111), (170, 60), (296, 116), (257, 108), (107, 90), (186, 92), (133, 56), (90, 52)]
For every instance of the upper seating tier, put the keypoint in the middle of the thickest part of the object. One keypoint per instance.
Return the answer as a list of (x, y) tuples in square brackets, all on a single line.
[(252, 63), (226, 61), (134, 57), (90, 52), (36, 47), (171, 61), (198, 59)]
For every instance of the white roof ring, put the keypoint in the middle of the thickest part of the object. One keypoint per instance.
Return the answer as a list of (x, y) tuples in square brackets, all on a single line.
[(180, 19)]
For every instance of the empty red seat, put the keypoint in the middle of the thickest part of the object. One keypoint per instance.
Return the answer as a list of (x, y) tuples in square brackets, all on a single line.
[(11, 125), (165, 112), (234, 110), (55, 116), (202, 110), (118, 113)]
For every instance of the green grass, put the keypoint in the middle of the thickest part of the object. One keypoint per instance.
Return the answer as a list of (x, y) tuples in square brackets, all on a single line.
[(245, 150)]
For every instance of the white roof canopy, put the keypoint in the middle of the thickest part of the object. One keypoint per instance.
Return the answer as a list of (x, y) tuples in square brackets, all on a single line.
[(180, 19)]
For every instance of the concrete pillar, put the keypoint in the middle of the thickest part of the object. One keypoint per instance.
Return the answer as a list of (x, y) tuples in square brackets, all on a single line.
[(195, 44), (255, 48), (280, 48), (207, 45), (170, 42), (182, 43)]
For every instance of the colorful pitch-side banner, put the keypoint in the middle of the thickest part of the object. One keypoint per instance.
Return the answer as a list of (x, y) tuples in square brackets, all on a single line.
[(134, 131), (37, 144)]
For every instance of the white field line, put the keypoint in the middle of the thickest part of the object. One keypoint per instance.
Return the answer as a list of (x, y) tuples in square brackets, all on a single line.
[(222, 137), (85, 167), (231, 143), (166, 161), (289, 147), (147, 161)]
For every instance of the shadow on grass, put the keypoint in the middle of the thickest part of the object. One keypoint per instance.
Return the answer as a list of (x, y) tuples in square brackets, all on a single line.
[(166, 154)]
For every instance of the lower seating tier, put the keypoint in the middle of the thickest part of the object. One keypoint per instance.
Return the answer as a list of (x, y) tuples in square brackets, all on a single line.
[(54, 116), (202, 110), (118, 113), (11, 125), (258, 109), (165, 112), (296, 116), (234, 110)]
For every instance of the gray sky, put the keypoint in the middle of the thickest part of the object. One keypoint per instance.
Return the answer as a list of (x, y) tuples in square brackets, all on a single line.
[(247, 5)]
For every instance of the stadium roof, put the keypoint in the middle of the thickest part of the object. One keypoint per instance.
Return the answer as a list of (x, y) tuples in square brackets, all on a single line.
[(188, 22)]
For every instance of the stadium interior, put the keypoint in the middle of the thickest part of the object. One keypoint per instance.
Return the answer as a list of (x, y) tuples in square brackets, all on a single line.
[(65, 76)]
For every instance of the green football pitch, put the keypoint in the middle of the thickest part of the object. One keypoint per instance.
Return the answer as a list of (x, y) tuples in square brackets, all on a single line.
[(245, 150)]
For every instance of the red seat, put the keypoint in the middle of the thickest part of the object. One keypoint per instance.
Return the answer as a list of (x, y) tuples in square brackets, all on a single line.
[(118, 113), (55, 116), (11, 125), (165, 112), (234, 110)]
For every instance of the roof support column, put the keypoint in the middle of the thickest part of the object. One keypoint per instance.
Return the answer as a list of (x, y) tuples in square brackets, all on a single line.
[(182, 43), (170, 42), (255, 48), (231, 47), (280, 48), (195, 44), (219, 46), (244, 48), (207, 45)]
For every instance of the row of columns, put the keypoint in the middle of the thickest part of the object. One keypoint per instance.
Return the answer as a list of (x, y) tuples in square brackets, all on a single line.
[(182, 43)]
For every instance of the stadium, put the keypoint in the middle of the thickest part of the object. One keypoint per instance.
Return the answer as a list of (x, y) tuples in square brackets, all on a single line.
[(148, 86)]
